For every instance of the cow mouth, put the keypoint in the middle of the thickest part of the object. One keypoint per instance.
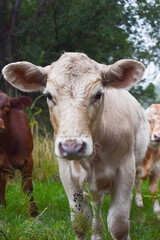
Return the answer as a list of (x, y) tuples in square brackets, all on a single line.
[(155, 141), (73, 157)]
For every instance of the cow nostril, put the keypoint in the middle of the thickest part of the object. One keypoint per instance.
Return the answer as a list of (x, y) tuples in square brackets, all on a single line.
[(72, 147), (69, 149), (157, 137)]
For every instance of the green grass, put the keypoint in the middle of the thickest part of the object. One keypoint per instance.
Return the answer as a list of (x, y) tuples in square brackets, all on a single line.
[(45, 162), (144, 222), (54, 220)]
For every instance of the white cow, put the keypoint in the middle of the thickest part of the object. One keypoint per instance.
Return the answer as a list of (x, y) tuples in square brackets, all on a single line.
[(101, 133)]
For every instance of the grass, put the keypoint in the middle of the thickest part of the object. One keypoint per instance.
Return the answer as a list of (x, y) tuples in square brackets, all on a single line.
[(144, 222), (54, 219), (54, 222), (45, 162)]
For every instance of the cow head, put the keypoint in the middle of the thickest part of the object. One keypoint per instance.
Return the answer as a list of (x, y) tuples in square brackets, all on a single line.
[(74, 86), (7, 104), (153, 115)]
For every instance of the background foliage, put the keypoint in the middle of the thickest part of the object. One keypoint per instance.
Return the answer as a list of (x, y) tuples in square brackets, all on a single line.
[(39, 31)]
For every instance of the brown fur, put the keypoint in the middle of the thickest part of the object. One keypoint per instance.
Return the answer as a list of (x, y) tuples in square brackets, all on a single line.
[(16, 145)]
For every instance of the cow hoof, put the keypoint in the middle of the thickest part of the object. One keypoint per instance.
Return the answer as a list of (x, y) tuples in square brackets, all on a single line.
[(156, 208), (34, 213), (139, 202), (140, 205), (96, 237)]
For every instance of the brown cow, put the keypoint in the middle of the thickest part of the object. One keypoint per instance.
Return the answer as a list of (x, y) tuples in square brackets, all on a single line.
[(101, 133), (150, 166), (16, 145)]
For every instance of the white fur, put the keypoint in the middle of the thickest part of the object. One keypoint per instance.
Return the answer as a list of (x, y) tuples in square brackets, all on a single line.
[(115, 129), (156, 208)]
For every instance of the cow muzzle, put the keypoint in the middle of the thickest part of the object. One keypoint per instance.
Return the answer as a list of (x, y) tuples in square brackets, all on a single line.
[(156, 137), (73, 148)]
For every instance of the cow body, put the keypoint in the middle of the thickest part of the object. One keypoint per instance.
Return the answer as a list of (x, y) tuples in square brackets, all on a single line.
[(101, 134), (111, 168), (150, 167), (16, 145)]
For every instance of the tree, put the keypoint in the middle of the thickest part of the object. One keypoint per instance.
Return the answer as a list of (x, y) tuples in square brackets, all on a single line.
[(145, 28), (39, 31), (8, 17), (145, 96), (93, 27)]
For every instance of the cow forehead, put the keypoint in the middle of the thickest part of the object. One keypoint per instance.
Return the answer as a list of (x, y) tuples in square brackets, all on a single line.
[(153, 110), (153, 114), (156, 121), (76, 89), (74, 65), (73, 73)]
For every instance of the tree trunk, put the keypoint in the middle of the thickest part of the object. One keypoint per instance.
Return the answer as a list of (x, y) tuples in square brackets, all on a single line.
[(6, 34)]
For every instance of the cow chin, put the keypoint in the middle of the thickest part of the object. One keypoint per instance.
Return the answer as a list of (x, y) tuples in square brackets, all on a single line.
[(154, 145), (75, 148)]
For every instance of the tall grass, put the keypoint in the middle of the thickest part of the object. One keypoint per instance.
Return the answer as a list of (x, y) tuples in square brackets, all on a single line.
[(45, 162)]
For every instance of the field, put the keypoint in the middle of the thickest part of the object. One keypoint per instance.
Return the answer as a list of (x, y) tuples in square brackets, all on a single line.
[(54, 219)]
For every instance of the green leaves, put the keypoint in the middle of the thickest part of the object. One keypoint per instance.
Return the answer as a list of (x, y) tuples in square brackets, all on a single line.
[(93, 27), (146, 96), (105, 30)]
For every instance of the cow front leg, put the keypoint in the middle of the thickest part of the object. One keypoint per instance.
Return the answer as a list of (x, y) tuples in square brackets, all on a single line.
[(153, 187), (97, 227), (80, 215), (28, 186), (79, 208), (138, 182), (80, 211), (118, 216), (3, 181)]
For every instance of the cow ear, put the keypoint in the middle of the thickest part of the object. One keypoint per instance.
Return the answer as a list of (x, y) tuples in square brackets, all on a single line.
[(123, 74), (21, 102), (25, 76)]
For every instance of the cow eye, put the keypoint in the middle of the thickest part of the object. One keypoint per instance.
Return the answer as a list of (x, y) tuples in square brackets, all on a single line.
[(49, 96), (8, 106), (98, 96)]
